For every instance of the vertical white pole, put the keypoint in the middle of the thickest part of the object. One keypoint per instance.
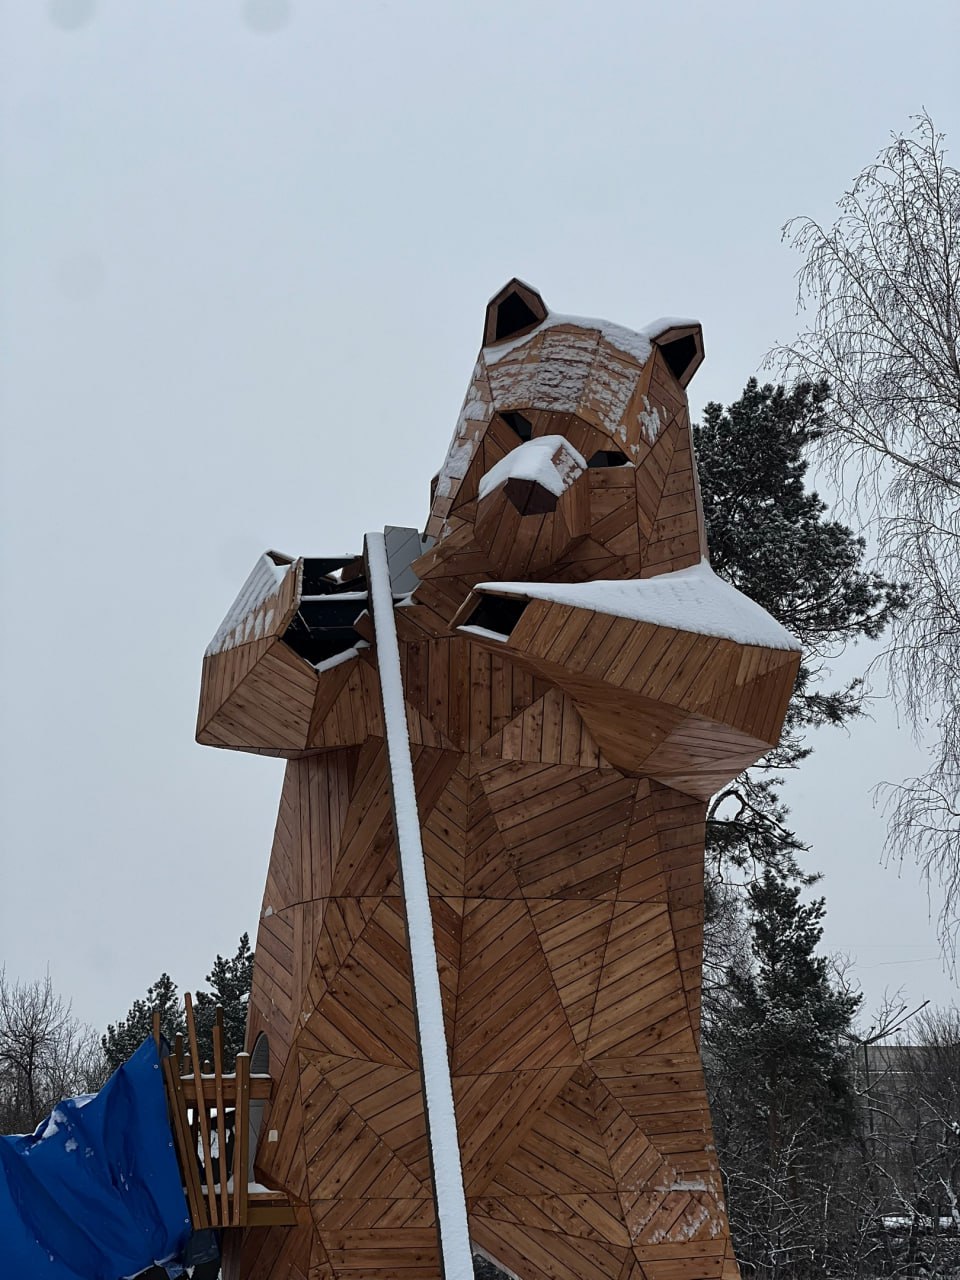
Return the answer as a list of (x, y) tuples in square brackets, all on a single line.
[(441, 1119)]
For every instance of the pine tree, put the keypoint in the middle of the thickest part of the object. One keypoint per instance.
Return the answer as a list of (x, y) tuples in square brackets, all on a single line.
[(783, 1092), (773, 1051), (127, 1035), (787, 1019), (230, 981), (771, 538)]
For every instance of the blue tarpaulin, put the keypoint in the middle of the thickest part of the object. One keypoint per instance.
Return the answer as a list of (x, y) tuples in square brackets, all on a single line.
[(95, 1192)]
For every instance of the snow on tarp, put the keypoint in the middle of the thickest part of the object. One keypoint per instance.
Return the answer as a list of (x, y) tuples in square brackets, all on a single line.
[(551, 461), (438, 1089), (693, 599), (637, 343), (94, 1193)]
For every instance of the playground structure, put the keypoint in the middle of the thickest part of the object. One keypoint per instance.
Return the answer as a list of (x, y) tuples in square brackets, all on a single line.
[(573, 684)]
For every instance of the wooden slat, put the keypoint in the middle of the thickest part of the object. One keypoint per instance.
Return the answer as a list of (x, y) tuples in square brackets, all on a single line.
[(200, 1110), (241, 1148), (186, 1144), (222, 1171), (262, 1212)]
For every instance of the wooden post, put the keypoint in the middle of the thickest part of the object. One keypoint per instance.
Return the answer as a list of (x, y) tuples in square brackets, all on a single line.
[(187, 1143), (222, 1172), (455, 1255), (241, 1143), (200, 1106)]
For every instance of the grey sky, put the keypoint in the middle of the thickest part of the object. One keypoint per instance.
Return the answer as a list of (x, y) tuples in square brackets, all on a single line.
[(245, 254)]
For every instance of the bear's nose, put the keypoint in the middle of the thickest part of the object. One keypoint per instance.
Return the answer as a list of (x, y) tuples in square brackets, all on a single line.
[(535, 474), (530, 497)]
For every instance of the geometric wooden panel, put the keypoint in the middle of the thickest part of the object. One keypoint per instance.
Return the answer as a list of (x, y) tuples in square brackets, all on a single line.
[(688, 709), (562, 758)]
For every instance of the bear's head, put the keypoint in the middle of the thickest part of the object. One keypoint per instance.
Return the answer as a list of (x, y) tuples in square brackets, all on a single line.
[(571, 458)]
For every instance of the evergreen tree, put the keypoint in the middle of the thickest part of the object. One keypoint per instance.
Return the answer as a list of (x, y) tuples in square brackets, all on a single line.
[(771, 538), (776, 1068), (786, 1020), (126, 1036), (783, 1091), (230, 981)]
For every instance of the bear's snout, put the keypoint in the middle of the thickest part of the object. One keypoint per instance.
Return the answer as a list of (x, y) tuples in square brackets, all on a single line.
[(535, 474)]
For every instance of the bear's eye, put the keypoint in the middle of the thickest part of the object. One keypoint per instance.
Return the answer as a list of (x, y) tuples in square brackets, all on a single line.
[(518, 424), (608, 458)]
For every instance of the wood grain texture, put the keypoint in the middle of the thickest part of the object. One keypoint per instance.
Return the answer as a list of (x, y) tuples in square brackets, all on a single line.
[(561, 774)]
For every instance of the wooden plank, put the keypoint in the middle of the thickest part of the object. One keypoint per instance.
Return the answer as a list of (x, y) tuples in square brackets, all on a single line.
[(186, 1145), (538, 627), (480, 693), (642, 648), (261, 1089), (241, 1149), (569, 637), (551, 1253), (222, 1172), (663, 663), (267, 1213), (200, 1110)]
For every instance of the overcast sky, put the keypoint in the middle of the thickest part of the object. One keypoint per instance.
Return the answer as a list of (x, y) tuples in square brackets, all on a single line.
[(246, 249)]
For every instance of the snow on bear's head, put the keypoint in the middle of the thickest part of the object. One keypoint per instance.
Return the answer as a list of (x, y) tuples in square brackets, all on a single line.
[(554, 401)]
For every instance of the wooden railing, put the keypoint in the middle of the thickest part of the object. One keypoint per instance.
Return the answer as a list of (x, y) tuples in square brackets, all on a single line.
[(210, 1119)]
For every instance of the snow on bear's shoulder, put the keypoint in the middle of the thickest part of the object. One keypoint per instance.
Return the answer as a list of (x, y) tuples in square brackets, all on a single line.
[(693, 599)]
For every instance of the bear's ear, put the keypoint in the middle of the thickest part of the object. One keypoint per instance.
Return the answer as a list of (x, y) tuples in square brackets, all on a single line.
[(515, 310), (682, 349)]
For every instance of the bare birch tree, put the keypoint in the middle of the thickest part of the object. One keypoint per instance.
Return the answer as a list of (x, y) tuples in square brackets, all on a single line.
[(883, 283), (45, 1053)]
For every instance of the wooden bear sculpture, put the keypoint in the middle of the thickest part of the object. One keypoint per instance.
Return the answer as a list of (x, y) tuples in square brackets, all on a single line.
[(576, 684)]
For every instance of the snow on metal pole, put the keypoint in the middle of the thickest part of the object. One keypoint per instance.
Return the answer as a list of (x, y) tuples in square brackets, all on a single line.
[(441, 1119)]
